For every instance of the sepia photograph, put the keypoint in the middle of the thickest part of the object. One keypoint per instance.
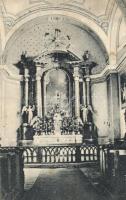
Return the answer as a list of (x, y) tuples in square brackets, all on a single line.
[(62, 99)]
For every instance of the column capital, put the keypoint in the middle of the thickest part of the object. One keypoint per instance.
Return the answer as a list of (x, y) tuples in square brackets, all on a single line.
[(39, 70), (76, 70), (88, 79), (26, 73)]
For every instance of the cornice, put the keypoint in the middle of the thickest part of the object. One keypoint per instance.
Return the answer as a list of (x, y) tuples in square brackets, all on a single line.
[(76, 9), (101, 77), (96, 78), (119, 67)]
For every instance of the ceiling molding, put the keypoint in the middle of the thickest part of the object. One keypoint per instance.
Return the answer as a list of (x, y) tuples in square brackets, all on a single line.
[(75, 6), (101, 77)]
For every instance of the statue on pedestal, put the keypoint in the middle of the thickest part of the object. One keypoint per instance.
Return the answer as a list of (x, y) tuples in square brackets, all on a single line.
[(27, 114), (57, 122), (24, 114), (85, 113), (30, 111)]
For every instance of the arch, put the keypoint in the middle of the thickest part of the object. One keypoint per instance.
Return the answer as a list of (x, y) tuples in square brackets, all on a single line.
[(88, 22), (113, 34)]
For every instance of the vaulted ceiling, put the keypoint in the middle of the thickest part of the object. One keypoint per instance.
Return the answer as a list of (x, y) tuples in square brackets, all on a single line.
[(98, 8), (100, 14)]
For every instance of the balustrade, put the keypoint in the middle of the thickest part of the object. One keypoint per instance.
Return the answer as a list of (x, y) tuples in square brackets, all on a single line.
[(61, 154)]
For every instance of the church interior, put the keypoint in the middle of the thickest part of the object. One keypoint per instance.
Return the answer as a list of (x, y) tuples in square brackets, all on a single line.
[(62, 99)]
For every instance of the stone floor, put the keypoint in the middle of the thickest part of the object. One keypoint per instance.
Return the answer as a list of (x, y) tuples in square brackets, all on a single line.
[(61, 184)]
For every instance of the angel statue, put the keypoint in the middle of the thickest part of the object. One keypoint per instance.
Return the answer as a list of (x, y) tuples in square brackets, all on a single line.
[(30, 111), (27, 113), (85, 113), (24, 114)]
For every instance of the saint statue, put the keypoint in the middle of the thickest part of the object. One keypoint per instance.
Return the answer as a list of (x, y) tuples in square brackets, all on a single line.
[(27, 113), (57, 122), (85, 113), (24, 114), (30, 111)]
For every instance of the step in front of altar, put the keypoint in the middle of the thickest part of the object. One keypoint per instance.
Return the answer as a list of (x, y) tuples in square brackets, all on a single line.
[(54, 139)]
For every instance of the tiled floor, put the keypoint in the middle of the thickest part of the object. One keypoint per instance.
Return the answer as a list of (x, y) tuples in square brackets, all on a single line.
[(61, 184)]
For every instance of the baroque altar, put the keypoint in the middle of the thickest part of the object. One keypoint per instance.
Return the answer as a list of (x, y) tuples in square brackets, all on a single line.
[(56, 97)]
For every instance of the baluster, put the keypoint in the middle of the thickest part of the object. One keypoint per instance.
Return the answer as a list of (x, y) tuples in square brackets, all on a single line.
[(39, 155), (31, 156), (89, 153), (93, 153), (98, 152), (78, 154), (43, 155), (71, 154), (67, 154), (53, 156), (85, 153), (59, 154)]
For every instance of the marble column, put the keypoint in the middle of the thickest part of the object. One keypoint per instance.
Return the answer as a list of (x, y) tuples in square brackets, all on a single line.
[(44, 95), (84, 92), (39, 90), (77, 92), (26, 77), (88, 97)]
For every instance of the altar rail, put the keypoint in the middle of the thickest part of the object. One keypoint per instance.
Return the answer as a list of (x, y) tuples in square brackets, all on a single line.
[(60, 154)]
